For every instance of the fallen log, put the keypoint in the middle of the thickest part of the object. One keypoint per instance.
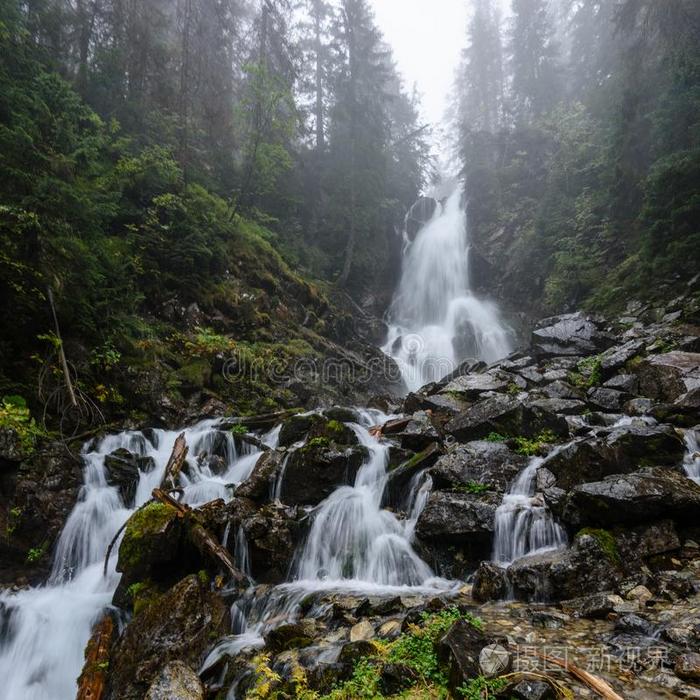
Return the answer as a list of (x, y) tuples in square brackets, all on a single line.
[(93, 678), (201, 538), (171, 477)]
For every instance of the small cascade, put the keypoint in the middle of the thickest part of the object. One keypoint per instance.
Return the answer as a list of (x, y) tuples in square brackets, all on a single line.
[(241, 553), (524, 523), (353, 539), (46, 628), (435, 320), (691, 462), (418, 494)]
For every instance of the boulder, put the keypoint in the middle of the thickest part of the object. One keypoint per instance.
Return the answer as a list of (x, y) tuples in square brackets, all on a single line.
[(362, 631), (470, 386), (687, 667), (459, 650), (594, 607), (176, 681), (633, 498), (626, 383), (458, 517), (618, 355), (179, 626), (505, 415), (315, 470), (490, 582), (559, 389), (418, 433), (295, 635), (400, 478), (532, 690), (492, 464), (667, 377), (605, 399), (570, 334), (258, 485), (296, 428), (123, 471)]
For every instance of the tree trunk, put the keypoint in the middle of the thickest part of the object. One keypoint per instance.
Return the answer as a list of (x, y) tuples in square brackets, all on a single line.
[(93, 679), (171, 477)]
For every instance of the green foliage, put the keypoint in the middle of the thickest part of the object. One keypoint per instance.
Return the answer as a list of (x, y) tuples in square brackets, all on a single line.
[(204, 342), (37, 553), (15, 416), (362, 685), (588, 373), (532, 447), (320, 441), (605, 540), (481, 688), (495, 437), (473, 487), (239, 429)]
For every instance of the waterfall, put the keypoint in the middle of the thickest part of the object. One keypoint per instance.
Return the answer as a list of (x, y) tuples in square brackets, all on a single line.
[(45, 629), (435, 320), (691, 462), (524, 524)]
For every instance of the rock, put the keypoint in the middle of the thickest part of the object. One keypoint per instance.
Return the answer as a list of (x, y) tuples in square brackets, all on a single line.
[(687, 667), (562, 390), (352, 652), (685, 633), (626, 383), (638, 543), (490, 582), (666, 377), (638, 407), (457, 517), (272, 533), (334, 431), (606, 399), (362, 631), (315, 470), (296, 428), (596, 606), (470, 386), (258, 485), (586, 567), (391, 629), (566, 407), (532, 690), (505, 415), (342, 414), (689, 401), (459, 649), (493, 464), (570, 334), (635, 625), (494, 660), (400, 478), (396, 678), (418, 433), (176, 681), (633, 498), (11, 447), (619, 355), (179, 626), (295, 635)]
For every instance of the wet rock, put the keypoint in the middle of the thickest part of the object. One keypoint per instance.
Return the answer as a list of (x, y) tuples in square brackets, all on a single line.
[(596, 606), (685, 633), (570, 334), (400, 478), (638, 407), (258, 485), (586, 567), (633, 498), (459, 649), (566, 407), (687, 667), (470, 386), (490, 463), (342, 414), (494, 660), (666, 377), (619, 355), (490, 583), (641, 594), (295, 635), (179, 626), (418, 433), (176, 681), (626, 383), (296, 428), (272, 533), (504, 415), (352, 652), (641, 542), (123, 471), (635, 625), (559, 389), (333, 431), (532, 690), (605, 399), (458, 517), (315, 470)]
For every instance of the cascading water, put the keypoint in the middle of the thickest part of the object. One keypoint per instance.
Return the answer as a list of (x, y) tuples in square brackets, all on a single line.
[(45, 629), (691, 462), (524, 524), (435, 320)]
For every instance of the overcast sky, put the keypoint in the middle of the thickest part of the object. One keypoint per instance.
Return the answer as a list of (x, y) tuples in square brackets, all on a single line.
[(426, 37)]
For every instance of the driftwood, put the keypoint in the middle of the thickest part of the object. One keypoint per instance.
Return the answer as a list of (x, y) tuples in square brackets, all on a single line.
[(201, 538), (93, 679), (171, 477)]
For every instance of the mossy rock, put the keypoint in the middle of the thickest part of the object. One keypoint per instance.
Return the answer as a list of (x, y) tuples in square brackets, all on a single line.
[(333, 431), (605, 541), (194, 375), (152, 537)]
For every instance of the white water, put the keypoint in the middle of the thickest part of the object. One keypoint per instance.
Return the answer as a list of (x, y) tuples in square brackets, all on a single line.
[(691, 462), (435, 320), (41, 655), (524, 524)]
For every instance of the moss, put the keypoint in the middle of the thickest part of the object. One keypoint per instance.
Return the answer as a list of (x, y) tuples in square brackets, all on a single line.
[(531, 447), (142, 594), (495, 437), (150, 519), (194, 375), (473, 487), (317, 442), (588, 373), (335, 427), (605, 541)]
